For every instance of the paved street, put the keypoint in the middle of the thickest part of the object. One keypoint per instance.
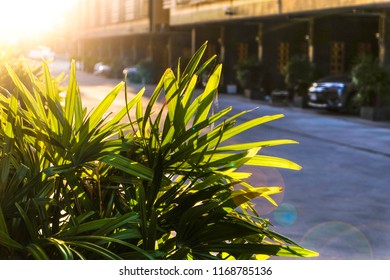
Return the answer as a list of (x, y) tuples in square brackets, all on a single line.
[(338, 204)]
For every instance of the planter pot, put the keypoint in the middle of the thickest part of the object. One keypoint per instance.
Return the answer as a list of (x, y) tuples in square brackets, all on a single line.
[(279, 97), (375, 113), (256, 94), (300, 101), (231, 89)]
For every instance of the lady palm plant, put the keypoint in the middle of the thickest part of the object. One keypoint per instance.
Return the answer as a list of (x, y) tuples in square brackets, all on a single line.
[(158, 184)]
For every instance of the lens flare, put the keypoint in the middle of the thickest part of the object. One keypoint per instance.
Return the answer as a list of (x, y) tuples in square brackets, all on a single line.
[(285, 215), (266, 177), (338, 240)]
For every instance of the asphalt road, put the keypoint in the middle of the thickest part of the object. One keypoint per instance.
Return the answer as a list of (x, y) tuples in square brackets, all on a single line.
[(338, 204)]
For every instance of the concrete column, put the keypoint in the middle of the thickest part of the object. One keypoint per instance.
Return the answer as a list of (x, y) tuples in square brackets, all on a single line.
[(122, 47), (310, 40), (193, 40), (221, 41), (169, 50), (150, 48), (259, 39), (133, 50), (383, 37)]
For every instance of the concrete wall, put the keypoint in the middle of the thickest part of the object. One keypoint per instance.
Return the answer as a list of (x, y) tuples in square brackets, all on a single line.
[(222, 11), (295, 6)]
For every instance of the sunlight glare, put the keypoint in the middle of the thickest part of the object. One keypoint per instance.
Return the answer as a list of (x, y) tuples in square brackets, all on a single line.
[(27, 18)]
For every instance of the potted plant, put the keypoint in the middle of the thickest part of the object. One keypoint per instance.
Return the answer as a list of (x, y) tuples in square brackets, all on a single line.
[(250, 77), (145, 70), (372, 82), (298, 75)]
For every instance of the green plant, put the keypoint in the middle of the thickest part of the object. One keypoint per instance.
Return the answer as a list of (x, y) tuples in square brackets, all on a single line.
[(88, 62), (77, 185), (299, 74), (372, 81), (16, 61), (249, 74), (145, 70)]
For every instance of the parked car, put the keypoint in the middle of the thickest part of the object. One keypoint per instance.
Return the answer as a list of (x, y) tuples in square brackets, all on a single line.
[(132, 74), (102, 69), (332, 92)]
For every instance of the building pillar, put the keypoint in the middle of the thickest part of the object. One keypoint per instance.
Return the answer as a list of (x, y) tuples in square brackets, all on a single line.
[(134, 48), (121, 48), (193, 40), (383, 37), (169, 50), (259, 39), (221, 41), (150, 54), (310, 40)]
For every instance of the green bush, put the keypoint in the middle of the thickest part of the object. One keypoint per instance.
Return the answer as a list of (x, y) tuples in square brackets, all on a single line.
[(249, 74), (372, 81), (299, 73), (18, 64), (157, 185)]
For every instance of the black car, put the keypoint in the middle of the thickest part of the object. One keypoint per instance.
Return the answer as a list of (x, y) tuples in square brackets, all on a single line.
[(333, 92)]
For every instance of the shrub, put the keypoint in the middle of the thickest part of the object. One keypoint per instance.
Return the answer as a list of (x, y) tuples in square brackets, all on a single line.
[(249, 73), (299, 74), (372, 81), (77, 185), (15, 61), (145, 70)]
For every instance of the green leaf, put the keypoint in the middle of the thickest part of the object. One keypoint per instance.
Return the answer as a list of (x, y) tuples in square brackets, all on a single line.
[(98, 113), (105, 253), (101, 240), (129, 166), (32, 230), (193, 64), (26, 95), (206, 99), (7, 241), (270, 161), (247, 146), (116, 223), (73, 104), (248, 125), (3, 225), (273, 250), (172, 91), (64, 250), (37, 252)]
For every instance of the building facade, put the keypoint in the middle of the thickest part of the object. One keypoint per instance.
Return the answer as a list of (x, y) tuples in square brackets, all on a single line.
[(330, 33)]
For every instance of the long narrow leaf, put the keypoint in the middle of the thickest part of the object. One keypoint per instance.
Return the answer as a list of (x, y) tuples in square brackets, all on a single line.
[(273, 250), (96, 249), (205, 100), (131, 167), (248, 125), (7, 241), (37, 252), (247, 146), (99, 112)]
